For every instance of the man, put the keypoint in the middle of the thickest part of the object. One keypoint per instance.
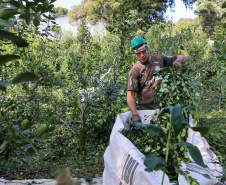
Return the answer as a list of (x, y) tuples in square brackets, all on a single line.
[(141, 80)]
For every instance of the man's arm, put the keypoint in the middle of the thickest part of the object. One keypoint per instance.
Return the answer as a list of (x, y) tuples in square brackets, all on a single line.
[(132, 105), (131, 102), (181, 58)]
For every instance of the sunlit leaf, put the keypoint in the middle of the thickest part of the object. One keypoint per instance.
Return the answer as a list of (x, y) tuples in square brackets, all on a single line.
[(194, 152), (152, 162), (40, 130), (10, 36), (5, 58), (24, 77), (25, 124)]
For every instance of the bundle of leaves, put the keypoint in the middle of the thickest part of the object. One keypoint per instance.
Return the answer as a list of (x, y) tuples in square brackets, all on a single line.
[(176, 88), (147, 143)]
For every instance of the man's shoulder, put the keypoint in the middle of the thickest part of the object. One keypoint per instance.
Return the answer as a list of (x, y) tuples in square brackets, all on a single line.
[(136, 66), (135, 69)]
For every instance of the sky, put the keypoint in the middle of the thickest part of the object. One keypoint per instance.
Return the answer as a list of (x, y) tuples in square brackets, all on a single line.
[(180, 10)]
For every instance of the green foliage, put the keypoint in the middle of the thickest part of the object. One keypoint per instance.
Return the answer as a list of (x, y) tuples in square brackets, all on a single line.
[(209, 16), (164, 145), (176, 88), (59, 11), (82, 84), (144, 13), (18, 139)]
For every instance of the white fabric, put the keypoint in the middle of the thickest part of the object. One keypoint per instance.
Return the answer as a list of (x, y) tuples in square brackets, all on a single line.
[(124, 162)]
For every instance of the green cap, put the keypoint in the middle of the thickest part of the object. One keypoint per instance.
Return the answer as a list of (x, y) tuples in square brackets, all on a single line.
[(137, 41)]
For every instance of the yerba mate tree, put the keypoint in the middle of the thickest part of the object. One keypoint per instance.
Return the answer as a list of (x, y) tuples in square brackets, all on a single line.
[(19, 136)]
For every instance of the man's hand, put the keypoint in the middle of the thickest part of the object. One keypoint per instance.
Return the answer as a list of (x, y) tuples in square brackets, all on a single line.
[(177, 64), (136, 118)]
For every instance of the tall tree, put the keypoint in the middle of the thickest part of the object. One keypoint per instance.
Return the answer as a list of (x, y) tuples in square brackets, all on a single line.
[(60, 12), (146, 12), (209, 15)]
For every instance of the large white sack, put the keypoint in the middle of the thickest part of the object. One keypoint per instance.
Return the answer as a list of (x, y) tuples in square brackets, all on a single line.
[(213, 169), (124, 162)]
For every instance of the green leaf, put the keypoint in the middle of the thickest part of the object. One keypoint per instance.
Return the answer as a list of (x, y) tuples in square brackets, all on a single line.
[(165, 110), (42, 128), (194, 152), (177, 119), (5, 58), (151, 129), (25, 124), (152, 162), (47, 133), (10, 36), (27, 17), (4, 146), (36, 21), (224, 5), (192, 107), (5, 14), (203, 130), (3, 24), (24, 77)]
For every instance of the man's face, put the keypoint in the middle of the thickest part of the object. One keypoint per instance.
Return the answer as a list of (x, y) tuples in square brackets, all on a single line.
[(142, 55)]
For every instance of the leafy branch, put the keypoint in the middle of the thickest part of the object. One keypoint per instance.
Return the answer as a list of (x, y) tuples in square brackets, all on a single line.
[(31, 92)]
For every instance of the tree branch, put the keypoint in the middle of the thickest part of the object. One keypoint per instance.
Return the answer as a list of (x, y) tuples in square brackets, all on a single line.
[(31, 92)]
